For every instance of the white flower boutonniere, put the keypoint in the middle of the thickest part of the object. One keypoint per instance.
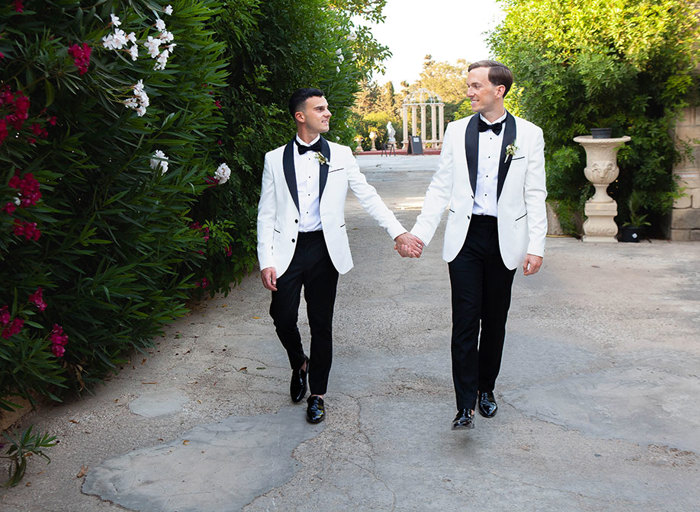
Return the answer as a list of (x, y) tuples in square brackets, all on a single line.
[(322, 159), (510, 151)]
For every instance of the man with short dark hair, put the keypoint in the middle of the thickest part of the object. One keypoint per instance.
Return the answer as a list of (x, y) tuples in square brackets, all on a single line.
[(303, 242), (491, 179)]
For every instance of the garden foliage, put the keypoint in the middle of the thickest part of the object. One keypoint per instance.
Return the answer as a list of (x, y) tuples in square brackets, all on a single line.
[(131, 150), (626, 64)]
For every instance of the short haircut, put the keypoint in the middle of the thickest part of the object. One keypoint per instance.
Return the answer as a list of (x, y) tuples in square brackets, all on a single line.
[(300, 96), (499, 74)]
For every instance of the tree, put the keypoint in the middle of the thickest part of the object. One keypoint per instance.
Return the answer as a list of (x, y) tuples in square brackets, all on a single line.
[(582, 63), (449, 81)]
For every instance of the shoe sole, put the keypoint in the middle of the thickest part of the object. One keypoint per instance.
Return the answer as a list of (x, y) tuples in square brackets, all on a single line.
[(463, 427)]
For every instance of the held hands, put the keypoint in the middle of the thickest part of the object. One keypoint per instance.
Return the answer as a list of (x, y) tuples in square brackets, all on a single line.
[(408, 245), (269, 278), (531, 264)]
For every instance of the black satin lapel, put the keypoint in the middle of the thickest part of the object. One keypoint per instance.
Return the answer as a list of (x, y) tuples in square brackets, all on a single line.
[(471, 146), (323, 176), (289, 173), (504, 165)]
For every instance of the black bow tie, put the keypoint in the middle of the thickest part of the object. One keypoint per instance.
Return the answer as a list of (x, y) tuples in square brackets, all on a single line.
[(484, 126), (316, 146)]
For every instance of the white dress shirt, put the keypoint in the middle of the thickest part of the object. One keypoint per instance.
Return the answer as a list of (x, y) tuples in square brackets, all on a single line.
[(486, 195), (307, 171)]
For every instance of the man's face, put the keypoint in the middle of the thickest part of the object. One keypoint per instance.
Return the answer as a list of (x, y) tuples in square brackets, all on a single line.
[(315, 115), (485, 97)]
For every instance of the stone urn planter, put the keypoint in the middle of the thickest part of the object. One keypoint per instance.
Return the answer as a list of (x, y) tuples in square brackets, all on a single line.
[(601, 170)]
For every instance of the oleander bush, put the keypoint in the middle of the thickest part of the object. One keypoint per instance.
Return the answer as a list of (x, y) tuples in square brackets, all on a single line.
[(107, 139)]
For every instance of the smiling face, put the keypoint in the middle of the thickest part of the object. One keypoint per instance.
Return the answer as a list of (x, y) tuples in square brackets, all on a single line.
[(313, 119), (486, 98)]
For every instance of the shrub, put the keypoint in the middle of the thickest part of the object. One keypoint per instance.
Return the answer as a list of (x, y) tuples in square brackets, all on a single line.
[(109, 240)]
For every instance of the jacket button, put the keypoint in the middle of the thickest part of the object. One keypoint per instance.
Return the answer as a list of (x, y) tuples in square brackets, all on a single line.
[(296, 221), (468, 217), (293, 240)]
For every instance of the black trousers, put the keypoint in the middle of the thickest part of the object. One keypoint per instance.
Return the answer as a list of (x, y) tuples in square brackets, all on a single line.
[(312, 268), (481, 290)]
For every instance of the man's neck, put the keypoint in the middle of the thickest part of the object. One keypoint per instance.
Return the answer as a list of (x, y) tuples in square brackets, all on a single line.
[(493, 115), (307, 136)]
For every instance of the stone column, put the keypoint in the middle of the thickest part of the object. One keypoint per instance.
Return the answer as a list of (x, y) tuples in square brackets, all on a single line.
[(442, 122), (404, 116), (414, 120), (423, 129), (685, 215), (433, 123), (601, 170)]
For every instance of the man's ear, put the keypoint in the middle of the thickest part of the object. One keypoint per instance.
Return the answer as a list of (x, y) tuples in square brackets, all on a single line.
[(299, 116)]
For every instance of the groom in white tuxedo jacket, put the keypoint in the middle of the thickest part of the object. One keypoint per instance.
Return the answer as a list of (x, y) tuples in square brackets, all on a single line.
[(491, 180), (303, 242)]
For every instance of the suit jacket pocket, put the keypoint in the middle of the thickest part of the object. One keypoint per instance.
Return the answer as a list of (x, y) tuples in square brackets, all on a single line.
[(521, 217), (519, 158), (336, 170)]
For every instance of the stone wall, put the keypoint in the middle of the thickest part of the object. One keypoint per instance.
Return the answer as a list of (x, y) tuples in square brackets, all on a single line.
[(685, 216)]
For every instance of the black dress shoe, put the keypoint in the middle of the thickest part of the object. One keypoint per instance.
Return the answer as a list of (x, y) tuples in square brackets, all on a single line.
[(315, 413), (487, 404), (297, 387), (464, 419)]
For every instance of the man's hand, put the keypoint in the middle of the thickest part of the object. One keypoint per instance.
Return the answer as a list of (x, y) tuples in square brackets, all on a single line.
[(408, 245), (531, 264), (269, 278)]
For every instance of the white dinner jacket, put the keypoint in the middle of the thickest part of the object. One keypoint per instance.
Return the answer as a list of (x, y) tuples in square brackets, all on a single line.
[(522, 215), (278, 209)]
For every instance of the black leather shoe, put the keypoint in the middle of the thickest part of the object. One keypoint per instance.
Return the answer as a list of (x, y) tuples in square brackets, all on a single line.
[(297, 387), (464, 419), (315, 413), (487, 404)]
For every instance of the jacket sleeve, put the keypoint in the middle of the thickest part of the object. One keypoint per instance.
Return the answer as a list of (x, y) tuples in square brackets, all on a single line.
[(535, 195), (370, 200), (438, 194), (267, 212)]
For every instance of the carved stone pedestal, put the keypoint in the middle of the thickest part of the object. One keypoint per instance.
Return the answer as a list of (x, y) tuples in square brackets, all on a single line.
[(601, 170)]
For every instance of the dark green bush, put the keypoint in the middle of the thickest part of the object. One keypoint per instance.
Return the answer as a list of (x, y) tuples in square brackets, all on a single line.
[(117, 256)]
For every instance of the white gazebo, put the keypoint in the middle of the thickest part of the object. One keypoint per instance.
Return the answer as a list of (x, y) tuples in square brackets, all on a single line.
[(422, 98)]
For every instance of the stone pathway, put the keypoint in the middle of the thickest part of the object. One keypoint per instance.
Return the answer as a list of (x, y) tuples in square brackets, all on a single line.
[(598, 394)]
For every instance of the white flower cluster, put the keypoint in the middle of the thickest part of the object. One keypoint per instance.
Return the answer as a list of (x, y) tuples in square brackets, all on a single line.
[(341, 59), (119, 39), (153, 45), (223, 173), (159, 160), (139, 101), (169, 10)]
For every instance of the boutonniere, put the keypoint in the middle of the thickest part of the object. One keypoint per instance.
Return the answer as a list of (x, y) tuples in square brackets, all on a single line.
[(510, 151), (322, 159)]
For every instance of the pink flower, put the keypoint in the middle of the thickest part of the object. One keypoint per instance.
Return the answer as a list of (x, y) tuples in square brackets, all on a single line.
[(4, 315), (9, 208), (3, 130), (52, 120), (26, 229), (18, 6), (58, 340), (229, 252), (81, 56), (14, 328), (217, 103), (37, 299), (2, 55), (28, 187)]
